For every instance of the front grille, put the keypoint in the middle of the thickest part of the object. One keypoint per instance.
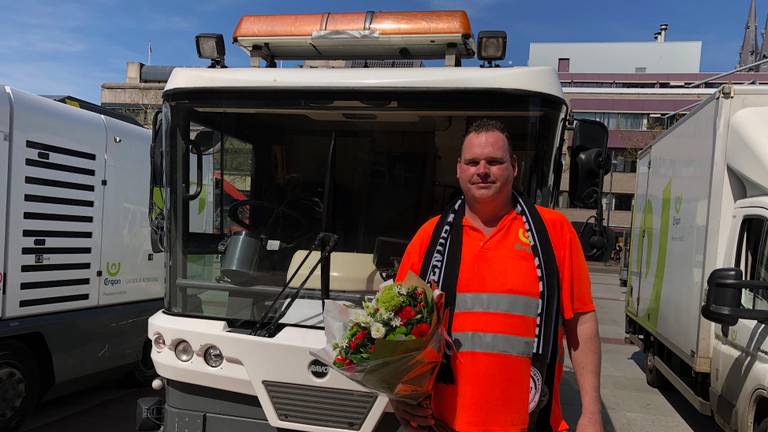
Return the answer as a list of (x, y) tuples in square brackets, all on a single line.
[(320, 406)]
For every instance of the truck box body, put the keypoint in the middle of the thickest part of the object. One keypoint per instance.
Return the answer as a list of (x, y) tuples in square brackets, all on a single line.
[(681, 221), (674, 232), (65, 226)]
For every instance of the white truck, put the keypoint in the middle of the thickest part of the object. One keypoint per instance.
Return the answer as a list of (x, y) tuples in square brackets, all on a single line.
[(364, 155), (78, 276), (700, 247)]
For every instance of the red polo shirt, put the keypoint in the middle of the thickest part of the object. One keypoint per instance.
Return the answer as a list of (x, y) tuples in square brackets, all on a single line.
[(495, 320)]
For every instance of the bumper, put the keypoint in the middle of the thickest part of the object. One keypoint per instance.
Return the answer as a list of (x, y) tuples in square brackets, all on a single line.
[(263, 384)]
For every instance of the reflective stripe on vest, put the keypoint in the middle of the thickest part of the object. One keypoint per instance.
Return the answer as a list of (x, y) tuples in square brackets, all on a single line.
[(498, 303), (494, 343)]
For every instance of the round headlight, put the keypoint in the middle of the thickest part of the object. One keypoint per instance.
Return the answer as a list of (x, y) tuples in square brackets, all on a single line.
[(213, 356), (184, 351), (158, 342)]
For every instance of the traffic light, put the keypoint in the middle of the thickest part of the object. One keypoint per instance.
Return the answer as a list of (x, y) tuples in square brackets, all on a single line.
[(590, 162)]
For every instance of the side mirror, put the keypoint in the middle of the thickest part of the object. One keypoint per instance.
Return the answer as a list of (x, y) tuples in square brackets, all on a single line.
[(590, 162), (206, 140), (156, 206), (156, 151), (723, 303)]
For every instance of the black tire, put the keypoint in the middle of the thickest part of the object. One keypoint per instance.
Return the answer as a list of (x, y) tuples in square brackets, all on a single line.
[(763, 426), (19, 384), (143, 371), (653, 377)]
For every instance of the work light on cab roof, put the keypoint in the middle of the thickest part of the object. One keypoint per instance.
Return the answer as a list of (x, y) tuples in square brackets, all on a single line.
[(491, 46), (211, 46)]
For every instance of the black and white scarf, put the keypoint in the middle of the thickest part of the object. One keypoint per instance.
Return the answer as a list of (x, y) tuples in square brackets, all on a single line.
[(441, 265)]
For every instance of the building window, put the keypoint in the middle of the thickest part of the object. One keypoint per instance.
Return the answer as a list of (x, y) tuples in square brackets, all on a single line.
[(656, 122), (622, 202), (623, 161), (640, 69), (621, 121), (564, 65)]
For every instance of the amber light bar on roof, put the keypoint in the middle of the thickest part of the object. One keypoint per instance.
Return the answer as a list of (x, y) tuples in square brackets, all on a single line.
[(361, 35)]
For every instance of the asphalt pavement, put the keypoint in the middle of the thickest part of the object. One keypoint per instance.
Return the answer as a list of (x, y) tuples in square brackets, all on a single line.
[(108, 407), (629, 404)]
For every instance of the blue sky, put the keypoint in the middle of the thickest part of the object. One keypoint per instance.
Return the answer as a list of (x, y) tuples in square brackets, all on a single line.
[(71, 47)]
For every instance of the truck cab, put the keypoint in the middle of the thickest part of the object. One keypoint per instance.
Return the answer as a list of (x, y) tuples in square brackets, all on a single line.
[(739, 377)]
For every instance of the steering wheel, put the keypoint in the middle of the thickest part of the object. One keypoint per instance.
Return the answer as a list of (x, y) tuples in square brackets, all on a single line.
[(265, 229)]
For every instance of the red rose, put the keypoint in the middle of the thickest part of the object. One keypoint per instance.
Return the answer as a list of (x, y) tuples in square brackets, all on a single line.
[(340, 359), (420, 330), (353, 344), (347, 362), (406, 313), (419, 293), (372, 348)]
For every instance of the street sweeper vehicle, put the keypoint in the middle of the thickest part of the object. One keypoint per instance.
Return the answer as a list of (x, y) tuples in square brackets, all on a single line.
[(78, 276), (337, 168), (697, 297)]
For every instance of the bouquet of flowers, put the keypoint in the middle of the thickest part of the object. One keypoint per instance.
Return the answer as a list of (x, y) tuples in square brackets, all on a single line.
[(394, 344)]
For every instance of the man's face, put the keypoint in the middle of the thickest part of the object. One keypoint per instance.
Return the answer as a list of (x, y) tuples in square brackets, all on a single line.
[(485, 170)]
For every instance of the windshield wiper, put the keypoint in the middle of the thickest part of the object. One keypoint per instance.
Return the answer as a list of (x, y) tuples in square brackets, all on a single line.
[(325, 243)]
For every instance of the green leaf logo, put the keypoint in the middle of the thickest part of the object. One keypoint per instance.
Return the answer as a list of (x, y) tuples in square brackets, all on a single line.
[(113, 269)]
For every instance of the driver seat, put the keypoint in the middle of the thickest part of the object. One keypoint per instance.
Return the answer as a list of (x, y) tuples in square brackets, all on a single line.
[(350, 272)]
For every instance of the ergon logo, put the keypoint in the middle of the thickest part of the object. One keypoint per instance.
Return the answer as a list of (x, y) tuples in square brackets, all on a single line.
[(110, 282), (319, 369)]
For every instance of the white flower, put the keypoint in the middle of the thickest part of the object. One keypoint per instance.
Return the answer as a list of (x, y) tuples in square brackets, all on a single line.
[(369, 308), (361, 317), (395, 321), (378, 331)]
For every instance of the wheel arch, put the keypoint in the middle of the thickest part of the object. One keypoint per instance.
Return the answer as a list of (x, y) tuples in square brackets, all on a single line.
[(38, 345)]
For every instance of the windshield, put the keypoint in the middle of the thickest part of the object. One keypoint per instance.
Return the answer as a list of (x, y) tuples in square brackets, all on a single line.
[(256, 177)]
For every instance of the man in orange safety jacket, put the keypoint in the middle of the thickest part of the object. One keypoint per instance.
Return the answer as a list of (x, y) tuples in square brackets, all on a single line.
[(502, 264)]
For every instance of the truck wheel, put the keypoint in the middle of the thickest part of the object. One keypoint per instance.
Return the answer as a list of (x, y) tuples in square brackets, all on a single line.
[(144, 370), (653, 377), (19, 384)]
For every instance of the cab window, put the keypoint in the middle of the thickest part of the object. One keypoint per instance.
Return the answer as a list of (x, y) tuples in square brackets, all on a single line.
[(752, 259)]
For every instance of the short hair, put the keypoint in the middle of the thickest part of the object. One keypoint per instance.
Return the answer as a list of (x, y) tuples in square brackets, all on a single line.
[(485, 125)]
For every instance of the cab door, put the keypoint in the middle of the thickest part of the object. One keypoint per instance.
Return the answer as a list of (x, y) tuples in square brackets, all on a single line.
[(739, 358)]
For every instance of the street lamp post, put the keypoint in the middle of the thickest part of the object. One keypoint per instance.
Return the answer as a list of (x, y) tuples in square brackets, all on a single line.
[(610, 195)]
